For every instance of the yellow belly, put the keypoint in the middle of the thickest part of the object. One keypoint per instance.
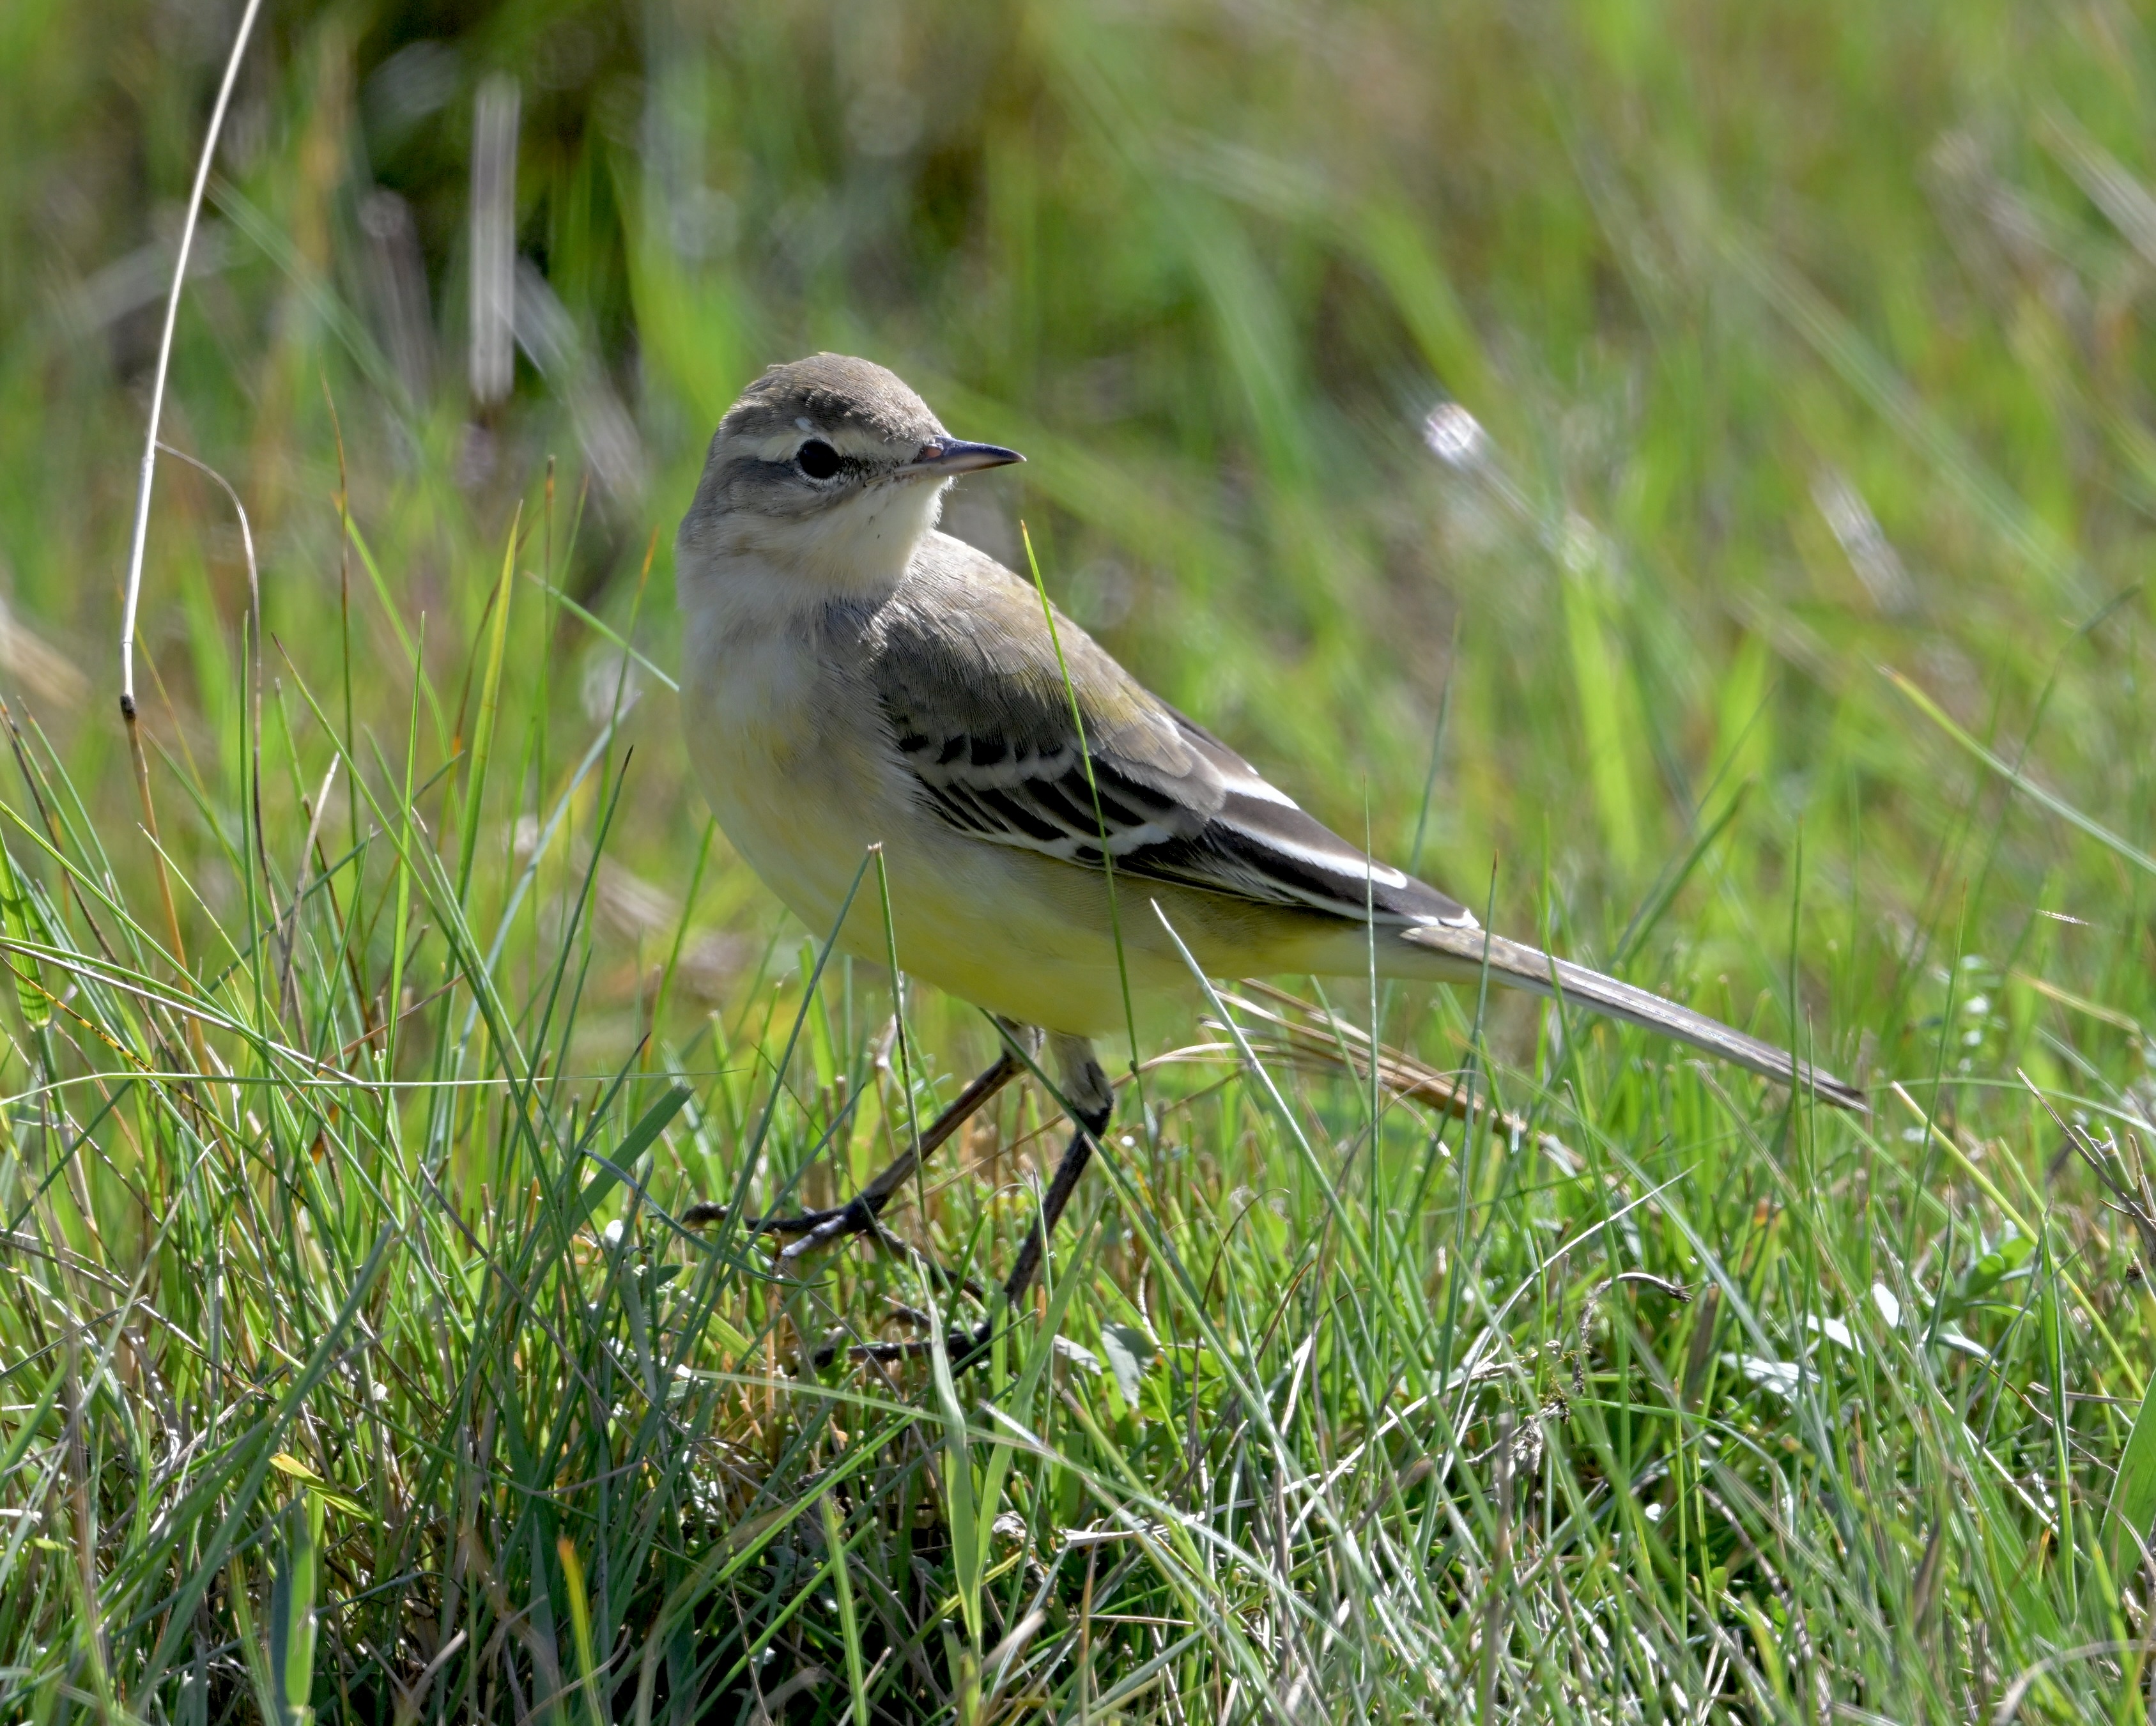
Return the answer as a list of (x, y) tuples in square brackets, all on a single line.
[(1021, 934)]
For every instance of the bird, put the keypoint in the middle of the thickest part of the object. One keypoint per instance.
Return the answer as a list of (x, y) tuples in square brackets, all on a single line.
[(1053, 834)]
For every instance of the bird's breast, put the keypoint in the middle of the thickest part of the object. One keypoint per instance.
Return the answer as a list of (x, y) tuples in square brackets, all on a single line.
[(788, 749), (755, 699)]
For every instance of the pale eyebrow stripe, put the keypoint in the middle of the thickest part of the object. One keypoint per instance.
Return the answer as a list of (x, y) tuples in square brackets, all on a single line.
[(781, 445)]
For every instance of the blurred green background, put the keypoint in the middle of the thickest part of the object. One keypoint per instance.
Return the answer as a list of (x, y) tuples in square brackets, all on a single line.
[(1541, 436), (1797, 340)]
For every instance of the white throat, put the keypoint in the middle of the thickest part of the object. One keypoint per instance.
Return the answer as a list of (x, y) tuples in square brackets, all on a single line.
[(858, 549)]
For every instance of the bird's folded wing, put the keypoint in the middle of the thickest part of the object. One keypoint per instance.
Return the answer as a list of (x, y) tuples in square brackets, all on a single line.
[(982, 714)]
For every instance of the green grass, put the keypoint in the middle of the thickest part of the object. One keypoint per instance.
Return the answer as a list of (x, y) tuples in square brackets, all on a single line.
[(350, 1358)]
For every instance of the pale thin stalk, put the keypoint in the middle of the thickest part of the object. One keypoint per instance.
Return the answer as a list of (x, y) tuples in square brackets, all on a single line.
[(133, 587)]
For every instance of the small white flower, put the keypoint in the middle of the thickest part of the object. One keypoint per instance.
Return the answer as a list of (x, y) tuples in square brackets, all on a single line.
[(1781, 1377), (1834, 1331), (1455, 437)]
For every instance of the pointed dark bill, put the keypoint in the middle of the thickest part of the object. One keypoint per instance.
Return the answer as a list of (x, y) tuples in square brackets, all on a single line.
[(949, 456)]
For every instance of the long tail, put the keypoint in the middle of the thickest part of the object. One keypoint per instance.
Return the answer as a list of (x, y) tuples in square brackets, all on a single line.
[(1521, 967)]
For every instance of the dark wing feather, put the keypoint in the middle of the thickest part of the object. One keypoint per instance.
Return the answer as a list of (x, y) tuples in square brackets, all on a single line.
[(979, 711)]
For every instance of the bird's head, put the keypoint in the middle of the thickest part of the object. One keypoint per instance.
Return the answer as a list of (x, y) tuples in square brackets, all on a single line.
[(828, 468)]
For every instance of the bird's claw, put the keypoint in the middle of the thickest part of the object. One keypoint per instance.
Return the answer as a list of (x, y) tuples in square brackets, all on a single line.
[(858, 1217), (964, 1347)]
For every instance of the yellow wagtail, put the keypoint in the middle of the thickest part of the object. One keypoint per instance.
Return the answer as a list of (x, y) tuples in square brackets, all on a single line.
[(853, 677)]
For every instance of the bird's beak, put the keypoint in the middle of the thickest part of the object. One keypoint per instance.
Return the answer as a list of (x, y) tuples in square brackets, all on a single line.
[(948, 457)]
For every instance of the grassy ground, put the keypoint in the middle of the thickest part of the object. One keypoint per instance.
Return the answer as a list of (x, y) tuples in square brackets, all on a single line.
[(1793, 447)]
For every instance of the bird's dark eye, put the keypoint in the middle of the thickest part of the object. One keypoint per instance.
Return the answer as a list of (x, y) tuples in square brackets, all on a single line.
[(816, 458)]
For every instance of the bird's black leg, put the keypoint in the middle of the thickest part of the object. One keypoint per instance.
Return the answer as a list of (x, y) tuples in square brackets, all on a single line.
[(1092, 1124), (1092, 1101), (862, 1214)]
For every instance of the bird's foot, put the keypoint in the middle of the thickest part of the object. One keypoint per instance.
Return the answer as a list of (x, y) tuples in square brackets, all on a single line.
[(858, 1215), (965, 1348), (861, 1214)]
